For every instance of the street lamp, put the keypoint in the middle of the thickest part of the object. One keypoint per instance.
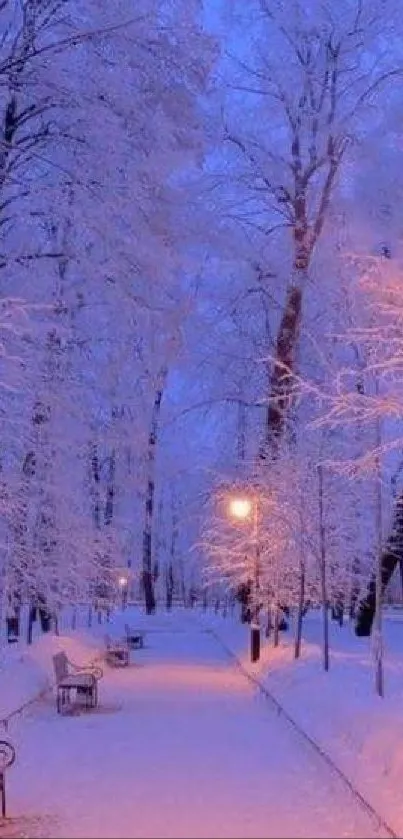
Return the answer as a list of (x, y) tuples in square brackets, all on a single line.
[(240, 508), (244, 508), (122, 581)]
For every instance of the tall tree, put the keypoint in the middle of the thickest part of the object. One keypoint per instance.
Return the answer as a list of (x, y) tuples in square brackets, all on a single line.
[(308, 76)]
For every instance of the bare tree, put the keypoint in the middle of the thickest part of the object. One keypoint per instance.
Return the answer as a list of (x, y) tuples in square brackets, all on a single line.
[(27, 103), (313, 75), (150, 493)]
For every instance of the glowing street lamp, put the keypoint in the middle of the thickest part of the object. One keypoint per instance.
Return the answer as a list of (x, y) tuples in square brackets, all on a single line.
[(244, 508), (122, 582), (240, 508)]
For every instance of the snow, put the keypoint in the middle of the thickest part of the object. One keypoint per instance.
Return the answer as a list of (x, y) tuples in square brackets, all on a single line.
[(182, 744), (361, 732)]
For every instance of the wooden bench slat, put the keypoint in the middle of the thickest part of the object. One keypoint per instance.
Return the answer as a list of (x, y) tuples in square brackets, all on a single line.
[(76, 680)]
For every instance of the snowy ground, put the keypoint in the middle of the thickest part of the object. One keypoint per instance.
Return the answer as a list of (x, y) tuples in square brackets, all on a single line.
[(183, 745), (340, 710)]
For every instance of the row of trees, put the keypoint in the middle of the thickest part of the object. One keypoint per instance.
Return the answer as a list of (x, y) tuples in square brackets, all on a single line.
[(186, 214), (321, 239), (100, 114)]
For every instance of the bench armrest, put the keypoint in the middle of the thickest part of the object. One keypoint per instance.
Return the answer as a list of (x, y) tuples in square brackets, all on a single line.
[(7, 755), (97, 671), (92, 670)]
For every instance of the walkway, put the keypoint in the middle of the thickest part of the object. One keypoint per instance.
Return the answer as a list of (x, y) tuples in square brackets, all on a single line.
[(181, 746)]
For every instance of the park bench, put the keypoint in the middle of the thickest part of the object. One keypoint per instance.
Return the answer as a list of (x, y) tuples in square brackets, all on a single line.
[(116, 652), (134, 637), (7, 758), (71, 677)]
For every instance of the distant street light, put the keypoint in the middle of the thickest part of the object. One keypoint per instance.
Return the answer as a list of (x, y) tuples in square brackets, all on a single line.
[(244, 508), (123, 581)]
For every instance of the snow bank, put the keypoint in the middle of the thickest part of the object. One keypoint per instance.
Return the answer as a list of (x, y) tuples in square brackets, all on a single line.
[(80, 647), (26, 671), (340, 710), (22, 679)]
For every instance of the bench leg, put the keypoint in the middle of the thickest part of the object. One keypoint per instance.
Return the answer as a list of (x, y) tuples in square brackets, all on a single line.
[(63, 697), (3, 794)]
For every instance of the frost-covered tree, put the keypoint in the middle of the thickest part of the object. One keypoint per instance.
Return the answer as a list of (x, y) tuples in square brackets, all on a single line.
[(100, 163), (312, 76)]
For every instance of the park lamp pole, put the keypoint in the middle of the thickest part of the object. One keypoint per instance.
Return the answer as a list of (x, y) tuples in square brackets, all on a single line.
[(123, 581), (245, 508)]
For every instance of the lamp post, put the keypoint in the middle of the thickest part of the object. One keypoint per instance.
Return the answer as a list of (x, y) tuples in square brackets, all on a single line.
[(123, 588), (244, 508)]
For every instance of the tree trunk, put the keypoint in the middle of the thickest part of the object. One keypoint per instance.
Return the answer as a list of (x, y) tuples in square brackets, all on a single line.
[(378, 651), (276, 634), (32, 615), (110, 490), (148, 582), (390, 556), (169, 586), (300, 612), (45, 619), (276, 606), (174, 538), (95, 484), (322, 542), (269, 625), (281, 379)]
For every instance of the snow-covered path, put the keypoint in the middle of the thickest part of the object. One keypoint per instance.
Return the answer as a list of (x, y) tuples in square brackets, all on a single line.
[(181, 746)]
